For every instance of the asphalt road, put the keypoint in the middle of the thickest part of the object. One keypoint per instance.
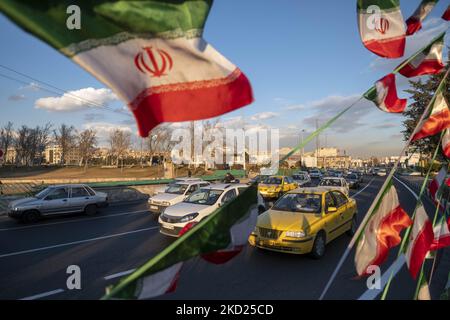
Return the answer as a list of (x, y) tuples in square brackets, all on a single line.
[(34, 259)]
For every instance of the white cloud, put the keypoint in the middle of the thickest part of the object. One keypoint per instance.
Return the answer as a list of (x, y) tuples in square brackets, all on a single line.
[(295, 107), (104, 129), (263, 116), (76, 100)]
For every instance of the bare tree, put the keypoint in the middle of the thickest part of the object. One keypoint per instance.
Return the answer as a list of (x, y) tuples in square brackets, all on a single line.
[(22, 145), (6, 138), (39, 140), (86, 141), (120, 142), (159, 140), (65, 138)]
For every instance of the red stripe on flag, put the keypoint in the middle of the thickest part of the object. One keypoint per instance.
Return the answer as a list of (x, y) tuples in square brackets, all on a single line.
[(426, 67), (413, 25), (446, 15), (421, 246), (446, 150), (391, 48), (190, 101), (388, 235), (222, 256), (434, 124), (392, 102)]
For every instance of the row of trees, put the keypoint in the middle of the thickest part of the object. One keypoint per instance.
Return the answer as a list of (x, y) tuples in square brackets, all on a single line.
[(29, 143)]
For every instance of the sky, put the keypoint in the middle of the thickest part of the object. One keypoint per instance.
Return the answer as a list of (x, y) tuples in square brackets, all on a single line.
[(304, 59)]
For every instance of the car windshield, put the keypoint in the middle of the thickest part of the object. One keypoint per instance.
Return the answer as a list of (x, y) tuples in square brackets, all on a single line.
[(330, 182), (272, 180), (299, 202), (176, 188), (42, 194), (204, 196), (298, 177)]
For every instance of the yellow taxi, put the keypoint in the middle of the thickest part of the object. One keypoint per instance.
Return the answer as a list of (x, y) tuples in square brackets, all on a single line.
[(304, 221), (274, 187)]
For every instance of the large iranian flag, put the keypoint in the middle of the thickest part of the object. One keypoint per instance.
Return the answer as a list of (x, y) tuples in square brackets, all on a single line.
[(437, 120), (428, 61), (414, 23), (384, 95), (381, 27), (150, 53), (382, 231)]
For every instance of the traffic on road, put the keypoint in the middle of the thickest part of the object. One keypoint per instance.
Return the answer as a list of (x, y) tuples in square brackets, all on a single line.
[(121, 237)]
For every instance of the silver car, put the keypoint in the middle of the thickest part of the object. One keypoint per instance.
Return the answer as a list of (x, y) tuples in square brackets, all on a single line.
[(58, 199)]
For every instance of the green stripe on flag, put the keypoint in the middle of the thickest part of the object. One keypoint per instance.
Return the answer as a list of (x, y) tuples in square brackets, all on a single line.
[(102, 19), (209, 235), (382, 4)]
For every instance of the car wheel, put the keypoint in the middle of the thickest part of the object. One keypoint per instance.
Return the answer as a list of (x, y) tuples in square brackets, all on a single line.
[(30, 216), (350, 232), (90, 209), (318, 249)]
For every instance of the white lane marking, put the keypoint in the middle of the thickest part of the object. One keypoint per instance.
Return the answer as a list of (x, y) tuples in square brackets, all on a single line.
[(370, 182), (44, 294), (75, 242), (75, 220), (119, 274), (408, 188), (395, 267)]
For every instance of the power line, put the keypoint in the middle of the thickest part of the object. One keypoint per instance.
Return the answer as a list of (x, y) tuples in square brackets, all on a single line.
[(67, 93)]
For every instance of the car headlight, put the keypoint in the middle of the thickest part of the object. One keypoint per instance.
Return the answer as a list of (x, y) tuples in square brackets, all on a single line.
[(15, 209), (189, 217), (295, 234), (166, 203)]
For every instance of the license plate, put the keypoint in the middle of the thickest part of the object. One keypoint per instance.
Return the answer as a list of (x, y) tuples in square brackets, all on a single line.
[(266, 243), (168, 226), (154, 207)]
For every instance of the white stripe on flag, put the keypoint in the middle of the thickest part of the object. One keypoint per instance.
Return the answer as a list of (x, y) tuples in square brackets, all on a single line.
[(160, 282)]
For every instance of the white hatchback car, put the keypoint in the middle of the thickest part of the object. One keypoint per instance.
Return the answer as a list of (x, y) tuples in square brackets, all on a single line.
[(199, 205), (174, 193), (334, 183)]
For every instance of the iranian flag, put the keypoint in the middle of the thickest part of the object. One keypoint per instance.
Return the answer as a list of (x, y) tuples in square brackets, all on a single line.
[(384, 95), (428, 61), (220, 234), (441, 234), (414, 23), (381, 27), (420, 240), (382, 231), (446, 143), (437, 120), (150, 53), (436, 184), (446, 15)]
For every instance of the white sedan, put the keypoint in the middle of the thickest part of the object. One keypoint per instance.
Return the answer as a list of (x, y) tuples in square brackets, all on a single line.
[(335, 183)]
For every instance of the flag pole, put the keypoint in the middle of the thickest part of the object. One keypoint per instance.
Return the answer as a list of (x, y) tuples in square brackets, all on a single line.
[(378, 196)]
